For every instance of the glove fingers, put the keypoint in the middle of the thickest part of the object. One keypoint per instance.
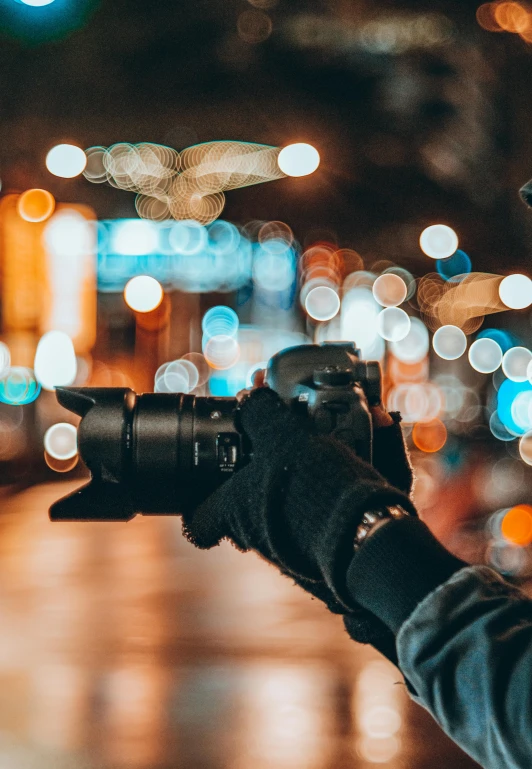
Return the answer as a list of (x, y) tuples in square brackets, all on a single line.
[(268, 422), (205, 526), (390, 455)]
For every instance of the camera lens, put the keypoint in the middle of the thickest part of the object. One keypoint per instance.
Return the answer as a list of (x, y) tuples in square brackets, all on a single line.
[(151, 453)]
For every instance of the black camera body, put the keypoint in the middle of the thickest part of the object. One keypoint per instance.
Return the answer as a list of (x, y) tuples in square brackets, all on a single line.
[(159, 453)]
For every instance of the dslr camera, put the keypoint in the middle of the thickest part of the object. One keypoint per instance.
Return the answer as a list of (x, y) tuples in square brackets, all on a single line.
[(159, 453)]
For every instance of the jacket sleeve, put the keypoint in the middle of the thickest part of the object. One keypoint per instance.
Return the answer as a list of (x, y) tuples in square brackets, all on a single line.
[(466, 650), (463, 639)]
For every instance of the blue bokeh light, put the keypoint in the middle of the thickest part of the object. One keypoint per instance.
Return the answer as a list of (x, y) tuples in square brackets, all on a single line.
[(508, 392), (455, 266)]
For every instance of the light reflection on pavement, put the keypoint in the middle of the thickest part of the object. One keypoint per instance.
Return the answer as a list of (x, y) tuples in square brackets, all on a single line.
[(123, 647)]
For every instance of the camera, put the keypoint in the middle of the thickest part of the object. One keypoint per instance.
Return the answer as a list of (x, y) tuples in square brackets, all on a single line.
[(160, 453)]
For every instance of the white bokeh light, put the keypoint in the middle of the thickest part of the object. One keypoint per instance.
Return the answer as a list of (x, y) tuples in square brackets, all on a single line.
[(322, 303), (55, 360), (298, 159), (135, 237), (515, 363), (393, 324), (515, 291), (525, 448), (438, 241), (485, 355), (66, 161), (143, 293), (449, 342), (414, 347), (61, 441)]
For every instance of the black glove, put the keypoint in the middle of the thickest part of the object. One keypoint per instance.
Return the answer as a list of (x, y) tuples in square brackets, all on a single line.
[(299, 503)]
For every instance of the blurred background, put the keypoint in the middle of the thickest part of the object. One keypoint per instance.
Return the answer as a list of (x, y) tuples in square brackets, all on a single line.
[(187, 189)]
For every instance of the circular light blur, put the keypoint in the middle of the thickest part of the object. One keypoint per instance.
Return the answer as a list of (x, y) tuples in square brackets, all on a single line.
[(68, 234), (36, 3), (18, 386), (5, 358), (220, 320), (452, 267), (414, 347), (221, 351), (298, 159), (485, 355), (200, 364), (143, 294), (36, 205), (498, 429), (389, 290), (61, 441), (429, 436), (515, 291), (503, 338), (66, 161), (515, 363), (449, 342), (135, 237), (525, 447), (322, 303), (393, 324), (55, 360), (516, 526), (438, 241)]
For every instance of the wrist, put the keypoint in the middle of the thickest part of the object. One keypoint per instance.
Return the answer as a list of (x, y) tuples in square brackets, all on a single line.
[(400, 563), (372, 520)]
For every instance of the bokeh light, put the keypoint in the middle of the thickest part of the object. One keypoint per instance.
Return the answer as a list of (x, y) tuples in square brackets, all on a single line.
[(515, 363), (5, 358), (389, 290), (66, 161), (298, 159), (175, 377), (143, 294), (516, 525), (18, 386), (438, 241), (515, 291), (449, 342), (55, 360), (220, 320), (429, 436), (134, 237), (322, 303), (454, 266), (414, 346), (61, 441), (221, 351), (485, 355), (36, 3), (393, 324), (525, 447), (36, 205)]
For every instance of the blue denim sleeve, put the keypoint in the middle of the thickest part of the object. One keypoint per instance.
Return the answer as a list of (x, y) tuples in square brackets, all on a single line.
[(466, 650)]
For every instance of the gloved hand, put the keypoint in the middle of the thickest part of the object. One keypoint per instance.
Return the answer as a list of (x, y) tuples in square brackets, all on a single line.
[(299, 503)]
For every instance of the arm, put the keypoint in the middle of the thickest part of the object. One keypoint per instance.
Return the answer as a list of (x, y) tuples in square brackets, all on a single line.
[(464, 639)]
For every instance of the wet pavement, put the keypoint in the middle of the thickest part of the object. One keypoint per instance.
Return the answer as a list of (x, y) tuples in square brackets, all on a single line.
[(123, 647)]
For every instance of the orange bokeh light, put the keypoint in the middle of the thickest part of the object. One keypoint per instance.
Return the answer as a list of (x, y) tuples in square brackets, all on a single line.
[(516, 526), (36, 205), (512, 17), (486, 17), (429, 436)]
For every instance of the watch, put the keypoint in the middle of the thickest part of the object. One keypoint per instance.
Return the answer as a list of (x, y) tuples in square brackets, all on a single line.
[(373, 520)]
